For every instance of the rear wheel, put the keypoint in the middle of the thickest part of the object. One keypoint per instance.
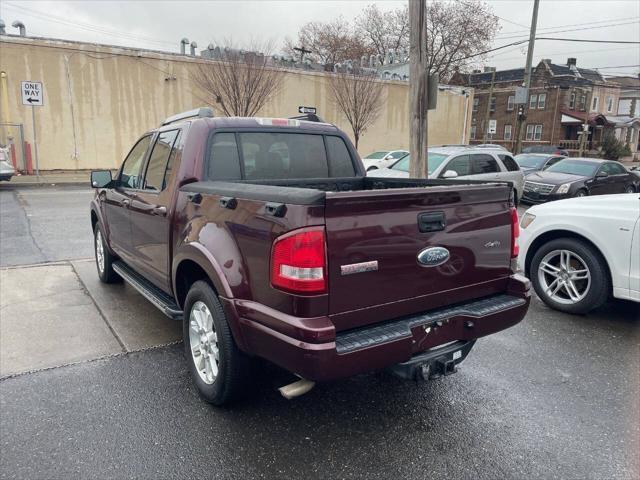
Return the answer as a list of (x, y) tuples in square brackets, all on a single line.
[(104, 259), (218, 368), (570, 275), (630, 189)]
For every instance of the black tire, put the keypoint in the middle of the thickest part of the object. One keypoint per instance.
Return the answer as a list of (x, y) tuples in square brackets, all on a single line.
[(580, 193), (600, 286), (233, 365), (106, 274), (630, 189)]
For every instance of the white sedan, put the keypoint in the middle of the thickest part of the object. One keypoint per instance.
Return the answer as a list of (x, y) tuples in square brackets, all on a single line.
[(382, 159), (579, 252)]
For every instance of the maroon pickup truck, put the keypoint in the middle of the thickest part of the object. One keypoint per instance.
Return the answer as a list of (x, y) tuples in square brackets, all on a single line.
[(265, 237)]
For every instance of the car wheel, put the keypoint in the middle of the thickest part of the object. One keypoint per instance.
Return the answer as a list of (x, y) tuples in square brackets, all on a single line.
[(104, 259), (218, 368), (570, 275), (581, 193), (630, 189)]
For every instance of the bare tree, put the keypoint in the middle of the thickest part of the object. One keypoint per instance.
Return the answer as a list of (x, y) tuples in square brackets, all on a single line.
[(329, 42), (359, 96), (238, 82), (455, 30), (383, 31)]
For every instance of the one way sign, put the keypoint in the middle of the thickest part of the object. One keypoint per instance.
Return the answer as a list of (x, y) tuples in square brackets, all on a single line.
[(32, 93)]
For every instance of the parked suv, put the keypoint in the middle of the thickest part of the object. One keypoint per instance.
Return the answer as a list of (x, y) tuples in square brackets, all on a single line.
[(265, 238), (470, 162)]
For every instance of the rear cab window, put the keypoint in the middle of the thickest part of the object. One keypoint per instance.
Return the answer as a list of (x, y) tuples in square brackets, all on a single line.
[(276, 155)]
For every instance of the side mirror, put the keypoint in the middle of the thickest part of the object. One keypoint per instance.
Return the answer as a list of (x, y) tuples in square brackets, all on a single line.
[(101, 178), (602, 175), (450, 174)]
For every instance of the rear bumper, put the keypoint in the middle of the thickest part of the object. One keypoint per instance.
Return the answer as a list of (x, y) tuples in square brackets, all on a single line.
[(388, 343)]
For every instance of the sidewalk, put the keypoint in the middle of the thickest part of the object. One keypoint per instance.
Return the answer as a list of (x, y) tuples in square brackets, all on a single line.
[(53, 177)]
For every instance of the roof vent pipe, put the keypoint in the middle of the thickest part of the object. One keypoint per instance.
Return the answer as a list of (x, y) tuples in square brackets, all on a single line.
[(571, 61), (194, 45), (183, 45), (2, 30), (18, 24)]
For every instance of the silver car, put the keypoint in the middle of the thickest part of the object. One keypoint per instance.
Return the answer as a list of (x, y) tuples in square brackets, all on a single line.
[(382, 159), (6, 169), (463, 162)]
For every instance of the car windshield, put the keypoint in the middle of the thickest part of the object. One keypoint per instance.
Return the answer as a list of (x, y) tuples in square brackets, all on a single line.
[(435, 159), (530, 161), (376, 155), (574, 167)]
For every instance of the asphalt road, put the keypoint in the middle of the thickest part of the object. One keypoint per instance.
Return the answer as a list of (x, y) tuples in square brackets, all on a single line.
[(557, 396)]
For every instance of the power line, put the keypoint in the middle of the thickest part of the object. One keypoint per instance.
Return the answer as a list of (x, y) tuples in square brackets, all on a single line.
[(586, 40), (578, 29), (85, 26), (571, 25)]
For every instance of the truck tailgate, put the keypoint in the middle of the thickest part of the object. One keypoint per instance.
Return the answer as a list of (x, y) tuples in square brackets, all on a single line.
[(374, 239)]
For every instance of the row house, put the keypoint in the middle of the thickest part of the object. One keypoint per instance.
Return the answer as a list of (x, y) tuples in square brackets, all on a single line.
[(561, 99)]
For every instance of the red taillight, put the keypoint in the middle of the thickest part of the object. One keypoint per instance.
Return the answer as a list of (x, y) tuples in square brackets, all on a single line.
[(298, 262), (515, 233)]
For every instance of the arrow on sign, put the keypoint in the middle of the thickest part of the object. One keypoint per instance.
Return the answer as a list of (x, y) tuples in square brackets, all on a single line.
[(31, 100)]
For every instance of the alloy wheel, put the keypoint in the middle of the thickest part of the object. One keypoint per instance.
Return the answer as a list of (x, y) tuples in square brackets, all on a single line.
[(99, 251), (203, 341), (564, 277)]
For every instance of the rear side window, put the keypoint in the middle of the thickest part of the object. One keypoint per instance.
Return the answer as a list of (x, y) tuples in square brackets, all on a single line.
[(223, 159), (510, 164), (460, 165), (340, 164), (130, 172), (159, 159), (483, 163)]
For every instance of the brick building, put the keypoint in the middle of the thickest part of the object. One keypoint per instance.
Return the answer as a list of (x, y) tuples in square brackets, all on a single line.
[(561, 99)]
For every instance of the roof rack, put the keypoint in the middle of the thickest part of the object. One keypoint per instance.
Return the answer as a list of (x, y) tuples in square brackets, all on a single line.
[(309, 117), (202, 112)]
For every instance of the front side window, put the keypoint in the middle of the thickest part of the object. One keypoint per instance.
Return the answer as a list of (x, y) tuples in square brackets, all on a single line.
[(615, 169), (533, 100), (159, 159), (483, 163), (542, 101), (130, 171), (507, 132), (398, 154), (461, 165), (511, 102)]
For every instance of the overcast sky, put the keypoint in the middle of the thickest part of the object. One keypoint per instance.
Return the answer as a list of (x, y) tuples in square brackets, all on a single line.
[(160, 25)]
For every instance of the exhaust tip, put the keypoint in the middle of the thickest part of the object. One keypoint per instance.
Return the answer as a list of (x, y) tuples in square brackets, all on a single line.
[(296, 389)]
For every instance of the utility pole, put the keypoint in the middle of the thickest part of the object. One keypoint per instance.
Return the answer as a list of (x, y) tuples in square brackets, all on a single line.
[(302, 51), (487, 113), (582, 144), (418, 91), (527, 71)]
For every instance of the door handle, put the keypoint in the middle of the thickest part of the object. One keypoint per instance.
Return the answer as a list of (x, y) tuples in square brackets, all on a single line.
[(431, 222), (161, 211)]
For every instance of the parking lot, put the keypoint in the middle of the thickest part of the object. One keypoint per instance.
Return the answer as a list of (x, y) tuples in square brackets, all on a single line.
[(94, 385)]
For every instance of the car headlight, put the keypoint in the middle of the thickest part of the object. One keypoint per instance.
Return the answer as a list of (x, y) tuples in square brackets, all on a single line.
[(527, 218), (564, 188)]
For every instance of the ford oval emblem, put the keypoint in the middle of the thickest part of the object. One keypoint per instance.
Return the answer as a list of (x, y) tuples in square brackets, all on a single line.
[(433, 256)]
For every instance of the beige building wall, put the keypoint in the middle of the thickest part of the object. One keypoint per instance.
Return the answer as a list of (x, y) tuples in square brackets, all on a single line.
[(98, 100)]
